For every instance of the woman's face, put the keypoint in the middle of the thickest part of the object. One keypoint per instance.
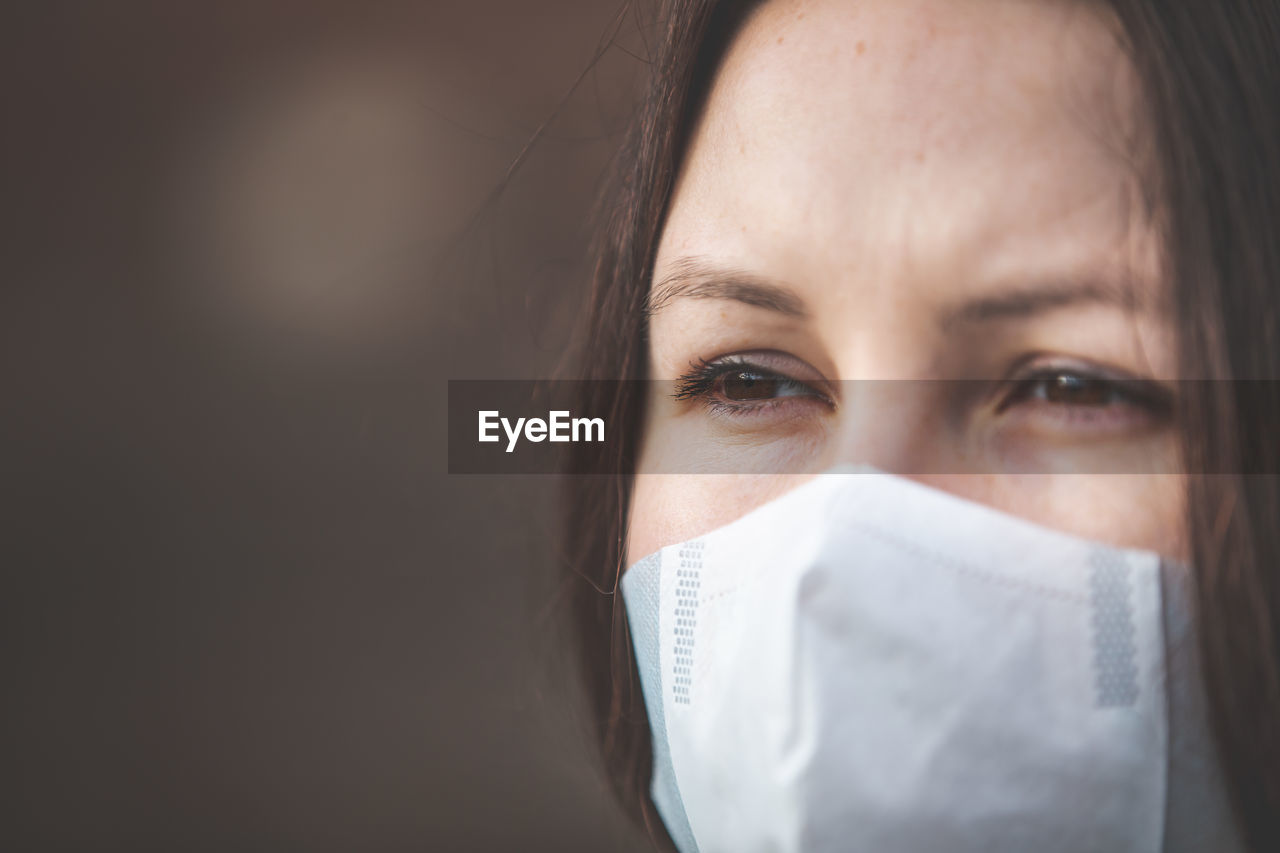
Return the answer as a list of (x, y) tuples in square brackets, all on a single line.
[(915, 190)]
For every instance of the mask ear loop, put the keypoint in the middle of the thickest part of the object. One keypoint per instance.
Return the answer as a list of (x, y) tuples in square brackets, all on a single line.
[(566, 558), (622, 691), (627, 733)]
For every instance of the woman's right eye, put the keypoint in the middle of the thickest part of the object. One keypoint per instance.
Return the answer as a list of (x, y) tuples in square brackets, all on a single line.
[(737, 386), (741, 385)]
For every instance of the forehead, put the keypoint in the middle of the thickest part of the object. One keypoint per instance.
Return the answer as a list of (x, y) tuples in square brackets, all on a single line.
[(954, 131)]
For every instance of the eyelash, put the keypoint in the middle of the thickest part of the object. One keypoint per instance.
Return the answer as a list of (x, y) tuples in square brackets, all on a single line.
[(1140, 393), (701, 381)]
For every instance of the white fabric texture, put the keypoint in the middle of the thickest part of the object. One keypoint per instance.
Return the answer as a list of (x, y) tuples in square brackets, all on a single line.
[(870, 664)]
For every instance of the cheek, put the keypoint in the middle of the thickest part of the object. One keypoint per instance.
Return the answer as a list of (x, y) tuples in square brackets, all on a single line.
[(1146, 512), (671, 508), (1142, 511)]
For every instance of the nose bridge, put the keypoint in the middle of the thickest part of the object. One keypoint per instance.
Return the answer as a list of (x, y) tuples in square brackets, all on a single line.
[(889, 353), (891, 424)]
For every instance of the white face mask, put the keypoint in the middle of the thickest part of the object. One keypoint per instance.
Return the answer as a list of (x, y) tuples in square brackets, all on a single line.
[(869, 664)]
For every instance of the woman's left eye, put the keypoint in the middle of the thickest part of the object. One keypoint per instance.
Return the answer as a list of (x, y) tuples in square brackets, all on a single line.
[(1080, 395), (1070, 389)]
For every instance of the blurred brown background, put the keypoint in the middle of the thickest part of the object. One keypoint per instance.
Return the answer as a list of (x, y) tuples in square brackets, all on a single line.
[(247, 245)]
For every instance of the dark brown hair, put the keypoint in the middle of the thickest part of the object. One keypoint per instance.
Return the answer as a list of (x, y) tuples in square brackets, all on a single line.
[(1210, 75)]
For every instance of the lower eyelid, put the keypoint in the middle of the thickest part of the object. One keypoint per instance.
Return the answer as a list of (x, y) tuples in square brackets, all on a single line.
[(766, 406), (1114, 417)]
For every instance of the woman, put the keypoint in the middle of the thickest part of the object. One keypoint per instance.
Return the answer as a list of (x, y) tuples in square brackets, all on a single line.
[(979, 246)]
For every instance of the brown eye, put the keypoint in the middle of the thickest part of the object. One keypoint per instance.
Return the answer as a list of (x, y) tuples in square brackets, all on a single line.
[(734, 386), (1068, 390), (1078, 391), (745, 385)]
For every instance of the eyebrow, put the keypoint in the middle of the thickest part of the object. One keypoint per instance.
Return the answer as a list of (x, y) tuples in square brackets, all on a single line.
[(694, 278), (1027, 302)]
